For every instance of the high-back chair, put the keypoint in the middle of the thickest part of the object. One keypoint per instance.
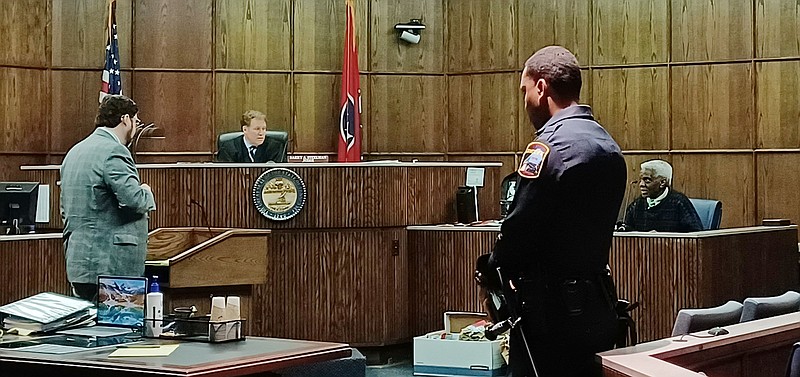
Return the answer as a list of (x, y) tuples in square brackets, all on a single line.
[(764, 307), (692, 320), (710, 212)]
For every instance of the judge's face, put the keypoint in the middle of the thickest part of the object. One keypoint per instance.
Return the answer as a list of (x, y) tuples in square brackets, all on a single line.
[(650, 185), (255, 132)]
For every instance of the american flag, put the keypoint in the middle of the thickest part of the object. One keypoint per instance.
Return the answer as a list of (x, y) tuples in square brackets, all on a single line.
[(112, 83)]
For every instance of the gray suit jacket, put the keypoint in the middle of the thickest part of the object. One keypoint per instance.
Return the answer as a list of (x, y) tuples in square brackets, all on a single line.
[(105, 211)]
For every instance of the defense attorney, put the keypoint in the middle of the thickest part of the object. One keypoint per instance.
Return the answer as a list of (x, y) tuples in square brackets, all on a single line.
[(103, 203)]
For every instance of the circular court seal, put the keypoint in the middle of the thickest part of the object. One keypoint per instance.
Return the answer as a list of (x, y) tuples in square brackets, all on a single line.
[(279, 194)]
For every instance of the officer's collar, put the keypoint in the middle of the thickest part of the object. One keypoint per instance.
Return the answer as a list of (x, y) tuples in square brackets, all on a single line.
[(574, 111)]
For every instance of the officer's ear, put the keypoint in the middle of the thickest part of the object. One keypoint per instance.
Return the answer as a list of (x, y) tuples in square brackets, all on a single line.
[(541, 86)]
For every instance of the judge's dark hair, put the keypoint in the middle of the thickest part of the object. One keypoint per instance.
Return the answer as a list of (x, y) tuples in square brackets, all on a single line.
[(559, 68), (111, 110)]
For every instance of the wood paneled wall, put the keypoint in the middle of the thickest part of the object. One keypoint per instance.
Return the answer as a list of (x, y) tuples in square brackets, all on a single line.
[(711, 86)]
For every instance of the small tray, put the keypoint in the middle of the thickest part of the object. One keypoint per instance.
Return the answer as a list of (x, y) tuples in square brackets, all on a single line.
[(202, 330)]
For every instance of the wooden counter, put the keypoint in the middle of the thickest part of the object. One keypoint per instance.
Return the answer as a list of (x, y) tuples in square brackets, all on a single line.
[(664, 272), (32, 263), (751, 349), (339, 195)]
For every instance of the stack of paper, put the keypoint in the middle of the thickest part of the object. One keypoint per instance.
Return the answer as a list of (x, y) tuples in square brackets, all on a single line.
[(46, 312)]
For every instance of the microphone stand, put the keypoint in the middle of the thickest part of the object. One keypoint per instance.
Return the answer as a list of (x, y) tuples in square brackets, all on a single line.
[(140, 131)]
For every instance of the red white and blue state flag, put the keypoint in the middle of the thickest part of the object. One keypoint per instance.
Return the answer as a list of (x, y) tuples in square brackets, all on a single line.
[(112, 83), (350, 105)]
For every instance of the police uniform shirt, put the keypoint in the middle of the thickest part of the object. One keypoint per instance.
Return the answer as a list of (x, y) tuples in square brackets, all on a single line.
[(572, 181)]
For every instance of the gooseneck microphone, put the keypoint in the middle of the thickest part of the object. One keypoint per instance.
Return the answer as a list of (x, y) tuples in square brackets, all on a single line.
[(192, 201)]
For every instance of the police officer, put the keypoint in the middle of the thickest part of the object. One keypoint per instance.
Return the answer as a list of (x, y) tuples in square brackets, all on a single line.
[(555, 242)]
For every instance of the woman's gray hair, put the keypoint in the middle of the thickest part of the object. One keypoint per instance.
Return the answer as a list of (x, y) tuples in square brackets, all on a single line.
[(660, 168)]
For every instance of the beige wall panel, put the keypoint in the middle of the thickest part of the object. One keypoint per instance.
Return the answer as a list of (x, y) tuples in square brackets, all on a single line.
[(23, 32), (23, 110), (173, 34), (481, 35), (777, 28), (712, 30), (79, 33), (407, 114), (163, 98), (74, 100), (727, 177), (238, 92), (316, 112), (633, 105), (483, 113), (526, 132), (632, 161), (712, 106), (778, 196), (554, 22), (319, 27), (390, 54), (778, 106), (253, 34), (630, 31)]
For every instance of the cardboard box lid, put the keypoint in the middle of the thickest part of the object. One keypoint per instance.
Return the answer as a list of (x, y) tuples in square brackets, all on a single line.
[(455, 321)]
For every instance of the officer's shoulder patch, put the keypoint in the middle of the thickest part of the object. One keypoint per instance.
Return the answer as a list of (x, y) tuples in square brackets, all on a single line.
[(533, 160)]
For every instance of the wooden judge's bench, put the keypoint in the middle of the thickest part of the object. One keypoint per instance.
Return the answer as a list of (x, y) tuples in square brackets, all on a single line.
[(362, 262)]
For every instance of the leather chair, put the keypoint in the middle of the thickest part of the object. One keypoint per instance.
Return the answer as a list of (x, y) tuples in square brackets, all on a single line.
[(763, 307), (692, 320), (281, 136), (710, 212)]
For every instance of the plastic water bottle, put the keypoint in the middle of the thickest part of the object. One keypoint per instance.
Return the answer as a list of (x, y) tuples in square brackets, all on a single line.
[(155, 309)]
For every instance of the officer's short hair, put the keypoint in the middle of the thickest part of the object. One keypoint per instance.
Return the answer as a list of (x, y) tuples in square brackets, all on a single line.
[(559, 67), (660, 168)]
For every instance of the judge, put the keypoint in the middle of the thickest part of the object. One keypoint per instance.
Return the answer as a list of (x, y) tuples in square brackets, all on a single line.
[(253, 145)]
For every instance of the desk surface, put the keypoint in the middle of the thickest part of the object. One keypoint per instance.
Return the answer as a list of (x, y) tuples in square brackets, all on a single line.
[(701, 234), (255, 355), (654, 358)]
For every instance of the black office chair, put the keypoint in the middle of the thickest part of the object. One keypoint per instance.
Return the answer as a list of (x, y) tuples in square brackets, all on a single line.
[(280, 136), (710, 212)]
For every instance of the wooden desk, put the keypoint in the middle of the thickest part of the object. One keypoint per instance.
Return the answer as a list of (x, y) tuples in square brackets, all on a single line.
[(752, 349), (664, 272), (32, 263), (255, 356)]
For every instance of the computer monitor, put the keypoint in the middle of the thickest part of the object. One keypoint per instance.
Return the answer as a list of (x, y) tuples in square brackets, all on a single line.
[(18, 202), (121, 301)]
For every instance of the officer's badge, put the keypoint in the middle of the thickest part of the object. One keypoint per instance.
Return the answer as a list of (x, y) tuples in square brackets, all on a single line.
[(533, 160)]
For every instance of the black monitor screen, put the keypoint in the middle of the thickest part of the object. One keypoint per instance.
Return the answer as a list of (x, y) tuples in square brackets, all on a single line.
[(18, 203)]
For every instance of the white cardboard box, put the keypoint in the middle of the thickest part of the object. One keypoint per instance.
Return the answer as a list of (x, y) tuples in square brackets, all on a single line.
[(446, 357)]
